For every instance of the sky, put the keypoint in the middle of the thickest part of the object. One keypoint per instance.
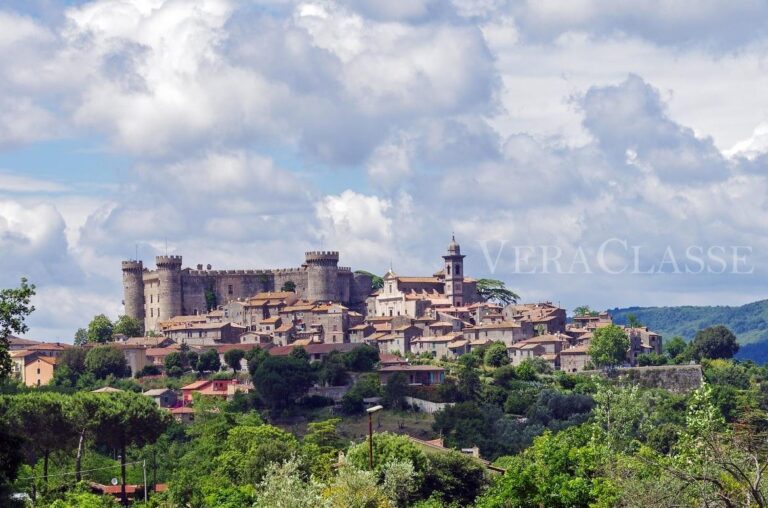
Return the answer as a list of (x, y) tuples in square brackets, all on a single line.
[(598, 152)]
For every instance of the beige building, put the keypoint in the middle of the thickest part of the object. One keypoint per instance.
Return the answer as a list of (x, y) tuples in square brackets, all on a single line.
[(508, 332), (204, 334), (38, 370), (575, 359), (448, 346)]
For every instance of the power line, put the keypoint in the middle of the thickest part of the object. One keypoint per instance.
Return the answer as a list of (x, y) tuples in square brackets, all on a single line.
[(83, 471)]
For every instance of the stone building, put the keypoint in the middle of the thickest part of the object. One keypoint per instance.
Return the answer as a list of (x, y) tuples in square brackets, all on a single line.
[(154, 296), (416, 296)]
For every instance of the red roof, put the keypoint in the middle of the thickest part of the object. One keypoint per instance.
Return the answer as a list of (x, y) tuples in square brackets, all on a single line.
[(410, 368), (196, 385)]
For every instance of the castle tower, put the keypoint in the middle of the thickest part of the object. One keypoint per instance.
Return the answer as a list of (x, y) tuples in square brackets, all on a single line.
[(454, 273), (133, 289), (169, 278), (322, 275)]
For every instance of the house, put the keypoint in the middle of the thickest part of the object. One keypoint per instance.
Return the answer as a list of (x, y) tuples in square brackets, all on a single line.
[(575, 359), (359, 333), (543, 317), (225, 388), (204, 334), (386, 359), (399, 339), (18, 344), (642, 341), (163, 397), (39, 369), (183, 414), (592, 322), (547, 346), (438, 346), (147, 342), (415, 374), (508, 332), (156, 355)]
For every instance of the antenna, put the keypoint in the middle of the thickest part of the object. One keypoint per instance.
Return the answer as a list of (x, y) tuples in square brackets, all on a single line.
[(137, 252)]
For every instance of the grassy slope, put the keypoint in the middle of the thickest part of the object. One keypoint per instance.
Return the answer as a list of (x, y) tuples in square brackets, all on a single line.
[(749, 322)]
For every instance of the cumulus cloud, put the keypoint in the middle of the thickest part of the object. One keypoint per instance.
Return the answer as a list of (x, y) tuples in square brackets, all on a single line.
[(377, 128)]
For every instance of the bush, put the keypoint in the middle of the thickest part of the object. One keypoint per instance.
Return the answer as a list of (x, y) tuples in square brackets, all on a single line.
[(148, 370), (315, 401)]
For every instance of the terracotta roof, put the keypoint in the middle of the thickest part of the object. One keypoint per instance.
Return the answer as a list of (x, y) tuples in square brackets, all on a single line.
[(182, 410), (269, 320), (162, 351), (202, 326), (196, 385), (47, 359), (577, 350), (420, 280), (286, 327), (18, 341), (440, 338), (22, 353), (504, 325), (389, 358), (47, 346), (441, 324)]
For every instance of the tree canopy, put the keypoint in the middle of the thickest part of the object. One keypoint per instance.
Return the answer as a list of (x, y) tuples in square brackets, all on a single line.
[(105, 360), (492, 290), (100, 329), (714, 342), (608, 346), (280, 380), (128, 326), (14, 308)]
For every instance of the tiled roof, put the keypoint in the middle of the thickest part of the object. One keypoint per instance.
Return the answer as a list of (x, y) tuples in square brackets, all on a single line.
[(196, 385), (47, 359), (577, 350), (156, 392), (314, 348)]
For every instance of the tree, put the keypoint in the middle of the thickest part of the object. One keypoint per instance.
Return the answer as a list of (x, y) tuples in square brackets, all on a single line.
[(362, 358), (101, 361), (651, 359), (395, 391), (675, 347), (42, 418), (82, 412), (233, 357), (14, 308), (128, 326), (455, 477), (210, 298), (100, 329), (496, 355), (11, 458), (609, 345), (208, 361), (492, 290), (280, 380), (284, 487), (560, 470), (583, 310), (388, 447), (377, 282), (714, 342), (81, 337), (469, 384), (289, 286), (300, 353), (632, 321), (128, 419), (70, 365), (174, 363)]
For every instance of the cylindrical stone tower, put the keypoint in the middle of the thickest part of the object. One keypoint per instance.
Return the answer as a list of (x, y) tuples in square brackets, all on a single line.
[(133, 289), (169, 277), (322, 275)]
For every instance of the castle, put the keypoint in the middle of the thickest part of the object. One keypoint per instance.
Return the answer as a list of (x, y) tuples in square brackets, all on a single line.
[(154, 296)]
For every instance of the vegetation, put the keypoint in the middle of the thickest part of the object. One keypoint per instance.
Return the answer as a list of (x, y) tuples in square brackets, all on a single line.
[(492, 290), (128, 326), (289, 286), (14, 308), (377, 282), (608, 346)]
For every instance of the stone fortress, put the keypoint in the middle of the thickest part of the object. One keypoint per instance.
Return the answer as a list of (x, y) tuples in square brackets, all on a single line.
[(154, 296)]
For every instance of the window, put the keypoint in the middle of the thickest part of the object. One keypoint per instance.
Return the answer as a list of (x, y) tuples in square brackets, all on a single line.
[(38, 371), (230, 290), (458, 270), (151, 312), (151, 299), (449, 269)]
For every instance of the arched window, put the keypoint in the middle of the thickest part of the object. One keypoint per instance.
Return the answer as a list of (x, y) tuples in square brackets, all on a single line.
[(449, 269)]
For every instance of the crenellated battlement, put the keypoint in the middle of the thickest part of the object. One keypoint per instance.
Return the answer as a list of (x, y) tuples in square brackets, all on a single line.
[(321, 255), (173, 262), (133, 265)]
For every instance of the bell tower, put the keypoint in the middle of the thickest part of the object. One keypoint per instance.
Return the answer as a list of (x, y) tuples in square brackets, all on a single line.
[(454, 273)]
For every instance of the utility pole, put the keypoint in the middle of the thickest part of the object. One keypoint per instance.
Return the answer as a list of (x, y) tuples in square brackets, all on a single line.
[(370, 412), (144, 467)]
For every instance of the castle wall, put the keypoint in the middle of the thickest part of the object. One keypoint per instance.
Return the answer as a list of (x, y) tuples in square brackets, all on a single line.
[(133, 289), (170, 291)]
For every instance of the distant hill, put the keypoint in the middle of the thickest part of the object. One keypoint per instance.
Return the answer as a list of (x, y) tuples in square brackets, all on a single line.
[(749, 322)]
